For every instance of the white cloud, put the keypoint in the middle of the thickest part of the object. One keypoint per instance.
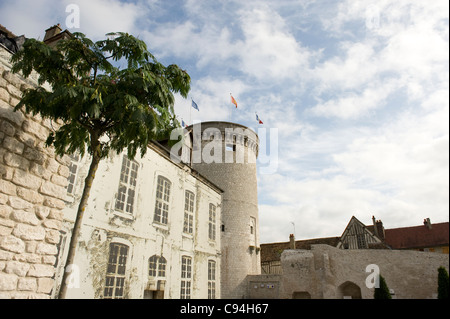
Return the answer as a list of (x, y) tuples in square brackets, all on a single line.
[(209, 45), (355, 67), (407, 46), (38, 16), (97, 17), (352, 105), (270, 51)]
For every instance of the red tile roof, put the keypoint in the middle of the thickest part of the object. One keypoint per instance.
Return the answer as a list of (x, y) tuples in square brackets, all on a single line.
[(418, 236)]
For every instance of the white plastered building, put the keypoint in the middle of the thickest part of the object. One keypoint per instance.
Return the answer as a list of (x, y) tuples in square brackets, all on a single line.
[(151, 230)]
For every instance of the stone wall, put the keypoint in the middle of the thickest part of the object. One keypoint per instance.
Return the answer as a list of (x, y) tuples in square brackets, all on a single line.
[(32, 188), (326, 272)]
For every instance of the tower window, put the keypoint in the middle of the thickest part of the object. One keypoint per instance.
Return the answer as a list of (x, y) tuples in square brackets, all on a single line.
[(230, 147)]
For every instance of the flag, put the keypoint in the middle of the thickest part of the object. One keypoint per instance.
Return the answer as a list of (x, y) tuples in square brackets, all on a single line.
[(258, 120), (233, 100), (194, 105), (182, 123)]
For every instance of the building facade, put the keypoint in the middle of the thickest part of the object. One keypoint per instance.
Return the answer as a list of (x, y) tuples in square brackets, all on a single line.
[(150, 230)]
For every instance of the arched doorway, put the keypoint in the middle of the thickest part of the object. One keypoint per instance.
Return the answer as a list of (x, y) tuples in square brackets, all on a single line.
[(349, 290)]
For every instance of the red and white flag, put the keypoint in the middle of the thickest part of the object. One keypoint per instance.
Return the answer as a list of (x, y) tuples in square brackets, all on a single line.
[(233, 100)]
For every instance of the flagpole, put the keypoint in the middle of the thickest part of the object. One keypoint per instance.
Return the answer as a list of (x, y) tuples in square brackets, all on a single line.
[(190, 113), (232, 117)]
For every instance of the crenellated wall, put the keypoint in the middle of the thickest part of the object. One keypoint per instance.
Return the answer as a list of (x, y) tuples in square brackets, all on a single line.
[(326, 272)]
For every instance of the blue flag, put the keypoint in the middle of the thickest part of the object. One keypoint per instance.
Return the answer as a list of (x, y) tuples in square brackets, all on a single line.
[(182, 123), (194, 105)]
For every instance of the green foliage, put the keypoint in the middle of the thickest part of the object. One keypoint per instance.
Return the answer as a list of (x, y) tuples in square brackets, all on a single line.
[(443, 283), (100, 105), (383, 291)]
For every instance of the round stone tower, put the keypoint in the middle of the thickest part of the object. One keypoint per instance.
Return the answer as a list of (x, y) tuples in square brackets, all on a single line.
[(226, 153)]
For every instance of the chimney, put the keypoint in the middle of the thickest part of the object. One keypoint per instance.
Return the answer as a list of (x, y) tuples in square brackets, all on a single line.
[(374, 221), (291, 241), (52, 31), (380, 229), (427, 223)]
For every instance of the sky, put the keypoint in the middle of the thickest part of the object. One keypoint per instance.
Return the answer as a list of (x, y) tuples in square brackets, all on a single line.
[(354, 94)]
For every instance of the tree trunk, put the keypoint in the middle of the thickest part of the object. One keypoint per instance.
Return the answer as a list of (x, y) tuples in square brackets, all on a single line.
[(78, 220)]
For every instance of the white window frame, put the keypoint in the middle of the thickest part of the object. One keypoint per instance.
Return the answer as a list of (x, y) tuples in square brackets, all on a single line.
[(186, 277), (212, 222), (189, 201), (162, 201), (157, 266), (116, 272), (211, 279), (126, 192)]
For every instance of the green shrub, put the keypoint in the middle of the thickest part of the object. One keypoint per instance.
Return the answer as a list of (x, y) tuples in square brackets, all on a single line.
[(442, 283), (383, 291)]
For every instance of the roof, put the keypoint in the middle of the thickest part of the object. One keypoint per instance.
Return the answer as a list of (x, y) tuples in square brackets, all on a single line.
[(356, 228), (8, 33), (272, 251), (418, 236), (165, 152), (10, 41)]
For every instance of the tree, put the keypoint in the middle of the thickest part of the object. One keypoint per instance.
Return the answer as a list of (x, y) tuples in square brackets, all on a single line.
[(443, 283), (102, 107), (383, 291)]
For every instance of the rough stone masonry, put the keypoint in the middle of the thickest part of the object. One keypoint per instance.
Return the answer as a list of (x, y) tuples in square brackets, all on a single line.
[(32, 191)]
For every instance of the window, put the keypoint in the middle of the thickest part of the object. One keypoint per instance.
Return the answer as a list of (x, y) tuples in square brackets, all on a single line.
[(73, 170), (211, 279), (361, 241), (212, 222), (188, 212), (186, 277), (115, 272), (252, 231), (230, 147), (157, 266), (162, 201), (127, 186)]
